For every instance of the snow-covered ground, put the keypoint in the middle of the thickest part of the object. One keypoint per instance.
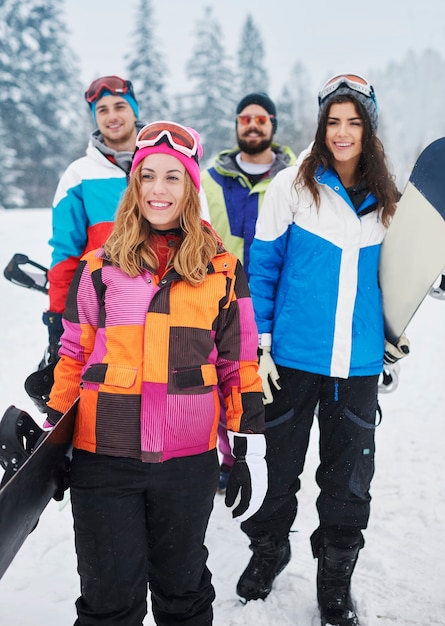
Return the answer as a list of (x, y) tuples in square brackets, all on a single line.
[(400, 575)]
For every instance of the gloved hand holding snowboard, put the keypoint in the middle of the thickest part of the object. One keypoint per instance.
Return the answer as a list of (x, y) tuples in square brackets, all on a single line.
[(394, 353)]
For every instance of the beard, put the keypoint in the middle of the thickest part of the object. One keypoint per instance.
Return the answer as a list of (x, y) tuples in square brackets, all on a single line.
[(254, 148)]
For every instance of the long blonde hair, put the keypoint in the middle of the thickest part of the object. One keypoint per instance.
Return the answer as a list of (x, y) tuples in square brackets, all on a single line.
[(130, 245)]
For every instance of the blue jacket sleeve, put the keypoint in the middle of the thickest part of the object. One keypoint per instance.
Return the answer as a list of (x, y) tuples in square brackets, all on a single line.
[(267, 253)]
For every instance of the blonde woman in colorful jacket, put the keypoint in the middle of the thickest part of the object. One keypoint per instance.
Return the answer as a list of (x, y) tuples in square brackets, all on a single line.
[(158, 322)]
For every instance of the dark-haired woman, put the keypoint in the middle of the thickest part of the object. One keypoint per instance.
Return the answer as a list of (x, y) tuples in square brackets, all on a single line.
[(318, 307)]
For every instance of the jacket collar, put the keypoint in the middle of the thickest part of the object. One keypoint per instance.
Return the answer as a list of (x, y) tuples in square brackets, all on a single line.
[(224, 162), (331, 179)]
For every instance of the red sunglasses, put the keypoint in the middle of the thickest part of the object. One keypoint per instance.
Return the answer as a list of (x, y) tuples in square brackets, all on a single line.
[(260, 120)]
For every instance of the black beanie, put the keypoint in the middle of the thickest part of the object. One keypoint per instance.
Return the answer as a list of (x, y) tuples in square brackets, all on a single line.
[(262, 99)]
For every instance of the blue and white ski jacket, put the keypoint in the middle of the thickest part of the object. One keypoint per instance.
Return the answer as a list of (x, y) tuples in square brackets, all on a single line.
[(83, 211), (314, 278)]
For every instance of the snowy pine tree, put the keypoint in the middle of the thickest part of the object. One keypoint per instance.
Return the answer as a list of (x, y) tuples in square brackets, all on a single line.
[(411, 100), (252, 74), (41, 101), (11, 196), (146, 68), (210, 105), (297, 111)]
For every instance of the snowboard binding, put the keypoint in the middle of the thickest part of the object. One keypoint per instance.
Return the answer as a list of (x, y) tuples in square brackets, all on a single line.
[(19, 435), (389, 378), (38, 385)]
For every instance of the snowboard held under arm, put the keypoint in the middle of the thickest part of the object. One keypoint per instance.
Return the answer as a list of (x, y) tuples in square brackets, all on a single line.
[(413, 251)]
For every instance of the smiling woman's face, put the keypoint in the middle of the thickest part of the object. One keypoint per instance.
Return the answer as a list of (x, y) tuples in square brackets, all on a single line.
[(344, 133), (162, 190)]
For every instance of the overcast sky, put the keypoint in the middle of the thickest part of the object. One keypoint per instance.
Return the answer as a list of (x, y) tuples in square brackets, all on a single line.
[(327, 36)]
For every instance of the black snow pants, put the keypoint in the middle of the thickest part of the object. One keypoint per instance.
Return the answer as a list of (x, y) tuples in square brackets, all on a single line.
[(347, 411), (139, 524)]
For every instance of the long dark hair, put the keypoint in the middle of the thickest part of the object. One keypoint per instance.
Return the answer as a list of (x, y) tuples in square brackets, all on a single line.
[(373, 164)]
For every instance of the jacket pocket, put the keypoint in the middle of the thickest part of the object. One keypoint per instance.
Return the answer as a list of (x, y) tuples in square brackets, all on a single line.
[(362, 450), (197, 376), (109, 374)]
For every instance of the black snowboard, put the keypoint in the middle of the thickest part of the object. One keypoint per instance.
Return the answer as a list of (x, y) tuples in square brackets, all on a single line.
[(35, 472)]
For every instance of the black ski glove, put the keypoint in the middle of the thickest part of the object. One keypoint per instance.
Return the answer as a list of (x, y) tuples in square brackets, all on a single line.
[(55, 330), (248, 477), (52, 417), (61, 472)]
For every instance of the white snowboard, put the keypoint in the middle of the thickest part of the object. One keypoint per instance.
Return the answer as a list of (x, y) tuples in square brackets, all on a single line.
[(413, 251)]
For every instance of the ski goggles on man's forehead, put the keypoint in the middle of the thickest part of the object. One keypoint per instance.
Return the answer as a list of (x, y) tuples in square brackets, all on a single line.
[(179, 137), (114, 84), (353, 81)]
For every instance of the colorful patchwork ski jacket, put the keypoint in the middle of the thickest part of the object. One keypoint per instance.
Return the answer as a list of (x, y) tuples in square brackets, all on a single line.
[(148, 358), (314, 278)]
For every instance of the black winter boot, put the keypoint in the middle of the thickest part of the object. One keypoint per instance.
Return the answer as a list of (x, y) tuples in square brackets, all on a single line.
[(337, 556), (270, 557)]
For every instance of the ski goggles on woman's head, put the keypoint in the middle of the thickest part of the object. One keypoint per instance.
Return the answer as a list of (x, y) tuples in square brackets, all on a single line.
[(114, 84), (177, 136), (353, 81)]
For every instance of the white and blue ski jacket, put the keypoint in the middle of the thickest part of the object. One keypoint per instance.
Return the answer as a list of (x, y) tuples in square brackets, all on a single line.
[(314, 278)]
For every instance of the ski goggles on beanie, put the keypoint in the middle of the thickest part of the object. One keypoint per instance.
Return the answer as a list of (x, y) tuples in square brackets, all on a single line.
[(179, 137), (114, 84), (353, 81), (344, 84), (166, 137)]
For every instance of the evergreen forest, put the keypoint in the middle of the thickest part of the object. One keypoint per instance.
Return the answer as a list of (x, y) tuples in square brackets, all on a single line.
[(45, 123)]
